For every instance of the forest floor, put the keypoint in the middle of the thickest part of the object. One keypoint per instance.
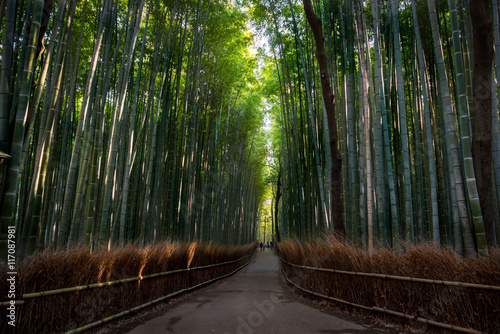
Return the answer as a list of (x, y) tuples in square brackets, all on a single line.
[(254, 300)]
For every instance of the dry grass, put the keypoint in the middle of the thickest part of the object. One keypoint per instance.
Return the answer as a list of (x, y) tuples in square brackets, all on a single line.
[(63, 269), (465, 307)]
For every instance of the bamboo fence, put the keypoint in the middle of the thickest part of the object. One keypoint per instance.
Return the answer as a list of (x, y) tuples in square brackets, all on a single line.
[(386, 311), (155, 301), (127, 280), (390, 277), (398, 278)]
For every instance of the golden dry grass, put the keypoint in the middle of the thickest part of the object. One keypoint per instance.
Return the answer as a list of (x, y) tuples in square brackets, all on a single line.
[(465, 307), (63, 269)]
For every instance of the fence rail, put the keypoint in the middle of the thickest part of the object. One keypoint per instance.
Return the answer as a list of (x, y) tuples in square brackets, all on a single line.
[(399, 278)]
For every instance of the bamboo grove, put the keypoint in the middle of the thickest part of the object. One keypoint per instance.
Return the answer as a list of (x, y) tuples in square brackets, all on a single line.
[(137, 121), (128, 121), (410, 106)]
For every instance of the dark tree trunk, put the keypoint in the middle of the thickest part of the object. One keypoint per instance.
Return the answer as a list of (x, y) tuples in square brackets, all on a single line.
[(276, 206), (481, 110), (329, 99)]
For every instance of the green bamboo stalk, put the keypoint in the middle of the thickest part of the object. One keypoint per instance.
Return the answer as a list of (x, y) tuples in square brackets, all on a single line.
[(451, 132), (10, 196), (464, 130), (323, 210), (420, 178), (130, 142), (30, 120), (403, 123), (468, 47), (291, 109), (379, 103), (428, 130), (63, 230), (352, 217), (41, 82), (367, 124), (32, 226), (131, 39)]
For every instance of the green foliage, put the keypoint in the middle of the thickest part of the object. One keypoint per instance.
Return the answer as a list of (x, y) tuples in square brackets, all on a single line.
[(172, 148), (179, 129), (395, 189)]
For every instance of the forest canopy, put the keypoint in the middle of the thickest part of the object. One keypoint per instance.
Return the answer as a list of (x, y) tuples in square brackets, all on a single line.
[(138, 121)]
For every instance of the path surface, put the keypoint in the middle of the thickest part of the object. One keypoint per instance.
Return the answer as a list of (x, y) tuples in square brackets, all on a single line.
[(251, 301)]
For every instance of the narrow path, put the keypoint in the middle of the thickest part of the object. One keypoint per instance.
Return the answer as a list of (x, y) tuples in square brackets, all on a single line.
[(251, 301)]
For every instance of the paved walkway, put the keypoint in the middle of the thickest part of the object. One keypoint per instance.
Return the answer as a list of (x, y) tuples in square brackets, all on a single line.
[(251, 301)]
